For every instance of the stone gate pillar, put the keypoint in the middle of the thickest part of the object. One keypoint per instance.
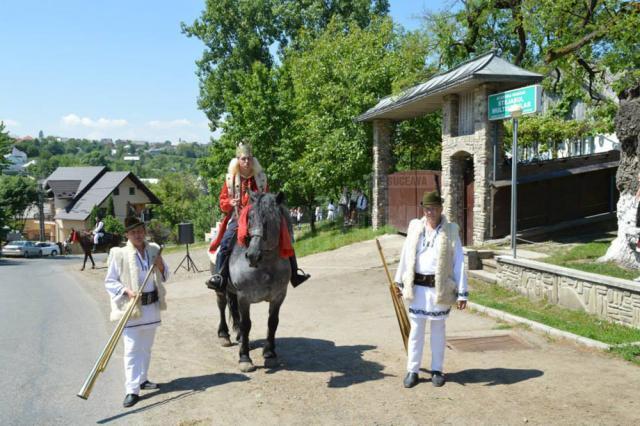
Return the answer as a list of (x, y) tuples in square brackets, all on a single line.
[(381, 160)]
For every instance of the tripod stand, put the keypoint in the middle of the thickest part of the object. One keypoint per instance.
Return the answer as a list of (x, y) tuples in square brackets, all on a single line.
[(189, 265)]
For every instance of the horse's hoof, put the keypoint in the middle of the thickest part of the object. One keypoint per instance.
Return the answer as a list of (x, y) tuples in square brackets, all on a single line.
[(225, 342), (247, 367), (271, 362)]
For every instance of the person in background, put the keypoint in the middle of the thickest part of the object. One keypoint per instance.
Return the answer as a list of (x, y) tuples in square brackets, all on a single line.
[(299, 215), (343, 202), (318, 213), (98, 232), (331, 211)]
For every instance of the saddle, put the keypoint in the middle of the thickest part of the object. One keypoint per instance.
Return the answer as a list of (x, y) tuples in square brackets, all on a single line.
[(107, 237)]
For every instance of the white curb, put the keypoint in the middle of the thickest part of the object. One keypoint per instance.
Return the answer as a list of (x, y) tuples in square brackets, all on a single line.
[(539, 327)]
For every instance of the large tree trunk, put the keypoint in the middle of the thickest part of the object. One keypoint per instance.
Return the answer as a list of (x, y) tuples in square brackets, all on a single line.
[(622, 249)]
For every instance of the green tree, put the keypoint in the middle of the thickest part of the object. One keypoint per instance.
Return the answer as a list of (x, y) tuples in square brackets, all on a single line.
[(6, 142), (237, 34), (16, 194), (113, 225), (178, 193)]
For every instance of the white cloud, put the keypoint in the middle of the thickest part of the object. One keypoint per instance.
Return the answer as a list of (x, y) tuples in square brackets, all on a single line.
[(9, 122), (72, 120), (171, 124)]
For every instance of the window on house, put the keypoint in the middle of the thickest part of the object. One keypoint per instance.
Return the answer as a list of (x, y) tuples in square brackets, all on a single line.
[(465, 114), (116, 191), (132, 191)]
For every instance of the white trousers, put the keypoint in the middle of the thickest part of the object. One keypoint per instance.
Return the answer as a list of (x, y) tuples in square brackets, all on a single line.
[(137, 354), (416, 344), (96, 237)]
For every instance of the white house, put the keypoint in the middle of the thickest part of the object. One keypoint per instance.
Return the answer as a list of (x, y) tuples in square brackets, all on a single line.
[(76, 190)]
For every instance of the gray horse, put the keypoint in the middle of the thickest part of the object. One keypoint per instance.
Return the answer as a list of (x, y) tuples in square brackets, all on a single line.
[(259, 274)]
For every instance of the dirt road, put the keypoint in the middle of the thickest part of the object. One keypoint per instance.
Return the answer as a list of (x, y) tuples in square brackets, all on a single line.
[(342, 361)]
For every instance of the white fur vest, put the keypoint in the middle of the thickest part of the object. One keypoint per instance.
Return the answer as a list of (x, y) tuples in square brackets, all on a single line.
[(233, 179), (129, 273), (446, 289)]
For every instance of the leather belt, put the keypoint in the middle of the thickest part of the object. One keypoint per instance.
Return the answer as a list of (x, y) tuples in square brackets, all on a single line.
[(424, 280), (149, 297)]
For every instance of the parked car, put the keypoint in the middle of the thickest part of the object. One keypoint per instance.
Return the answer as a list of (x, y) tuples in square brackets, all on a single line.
[(21, 248), (48, 248)]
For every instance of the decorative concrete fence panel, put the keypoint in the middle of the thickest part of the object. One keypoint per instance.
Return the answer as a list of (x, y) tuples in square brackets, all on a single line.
[(609, 298)]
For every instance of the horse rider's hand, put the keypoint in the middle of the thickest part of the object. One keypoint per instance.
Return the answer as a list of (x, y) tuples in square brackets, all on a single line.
[(462, 304), (130, 293), (398, 290)]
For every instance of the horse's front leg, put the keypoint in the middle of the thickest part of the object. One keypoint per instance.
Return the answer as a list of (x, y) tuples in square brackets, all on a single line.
[(93, 264), (235, 314), (246, 365), (269, 350), (84, 263), (223, 328)]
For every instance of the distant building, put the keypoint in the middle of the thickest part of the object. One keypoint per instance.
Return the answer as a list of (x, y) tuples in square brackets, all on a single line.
[(131, 158), (76, 190), (152, 181), (17, 160)]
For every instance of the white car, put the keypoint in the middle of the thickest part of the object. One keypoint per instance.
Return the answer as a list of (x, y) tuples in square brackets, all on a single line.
[(21, 248), (48, 249)]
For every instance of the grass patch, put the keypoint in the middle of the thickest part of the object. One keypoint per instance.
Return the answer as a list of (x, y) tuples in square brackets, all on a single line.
[(330, 236), (172, 248), (576, 322), (583, 257)]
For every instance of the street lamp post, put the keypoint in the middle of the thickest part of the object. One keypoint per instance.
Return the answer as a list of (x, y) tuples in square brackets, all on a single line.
[(515, 113)]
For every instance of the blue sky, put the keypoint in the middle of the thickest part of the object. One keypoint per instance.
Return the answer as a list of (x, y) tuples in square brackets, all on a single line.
[(118, 69)]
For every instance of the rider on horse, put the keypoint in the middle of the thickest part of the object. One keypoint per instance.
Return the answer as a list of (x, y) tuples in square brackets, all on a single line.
[(98, 232), (244, 174)]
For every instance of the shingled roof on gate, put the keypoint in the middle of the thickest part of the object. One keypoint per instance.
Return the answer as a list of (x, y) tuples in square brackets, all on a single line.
[(428, 96)]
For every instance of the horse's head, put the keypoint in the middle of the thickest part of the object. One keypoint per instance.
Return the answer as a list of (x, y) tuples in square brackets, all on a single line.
[(264, 225)]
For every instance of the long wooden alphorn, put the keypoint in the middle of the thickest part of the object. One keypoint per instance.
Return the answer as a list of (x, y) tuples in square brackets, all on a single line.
[(398, 303)]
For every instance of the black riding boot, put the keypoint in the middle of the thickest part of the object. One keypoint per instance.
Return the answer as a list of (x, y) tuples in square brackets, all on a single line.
[(297, 278), (218, 280)]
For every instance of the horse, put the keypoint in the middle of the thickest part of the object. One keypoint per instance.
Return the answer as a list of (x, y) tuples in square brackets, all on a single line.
[(257, 273), (85, 239)]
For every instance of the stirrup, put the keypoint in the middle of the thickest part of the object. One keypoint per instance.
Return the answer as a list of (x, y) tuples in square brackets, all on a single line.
[(299, 278)]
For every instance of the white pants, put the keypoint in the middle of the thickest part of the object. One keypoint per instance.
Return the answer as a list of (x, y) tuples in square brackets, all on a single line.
[(96, 237), (137, 354), (330, 215), (416, 344)]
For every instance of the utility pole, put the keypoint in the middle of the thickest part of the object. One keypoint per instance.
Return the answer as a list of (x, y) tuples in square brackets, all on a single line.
[(41, 209)]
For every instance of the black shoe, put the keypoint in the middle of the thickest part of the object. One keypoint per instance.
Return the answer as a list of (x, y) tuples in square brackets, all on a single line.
[(298, 277), (411, 380), (130, 400), (216, 282), (437, 378), (147, 385)]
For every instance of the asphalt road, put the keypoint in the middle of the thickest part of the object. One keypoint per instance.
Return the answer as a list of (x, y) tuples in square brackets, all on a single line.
[(51, 333)]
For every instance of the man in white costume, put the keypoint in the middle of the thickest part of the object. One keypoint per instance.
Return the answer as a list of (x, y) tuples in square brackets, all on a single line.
[(127, 269), (98, 232), (431, 278)]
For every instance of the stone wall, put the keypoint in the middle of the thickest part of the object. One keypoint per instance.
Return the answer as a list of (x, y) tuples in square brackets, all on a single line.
[(382, 130), (478, 145), (609, 298)]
